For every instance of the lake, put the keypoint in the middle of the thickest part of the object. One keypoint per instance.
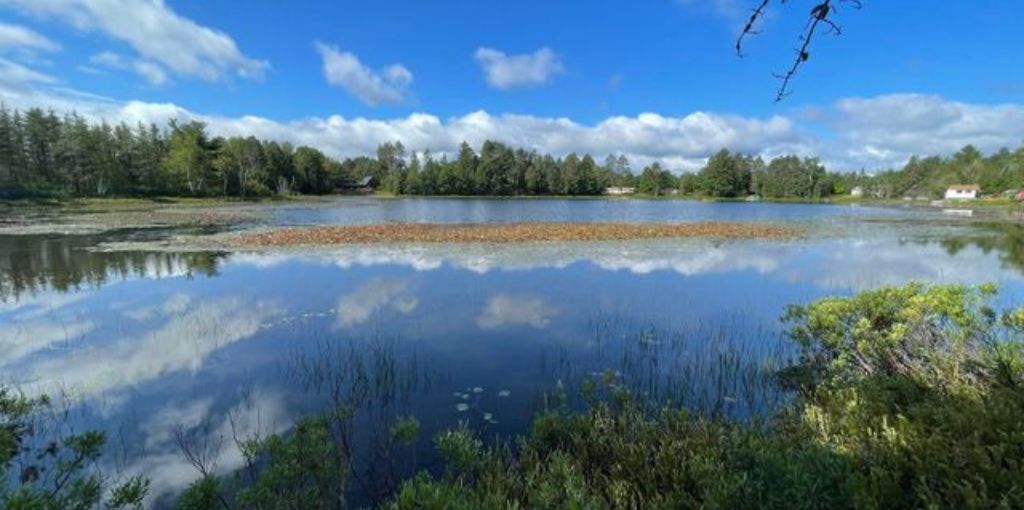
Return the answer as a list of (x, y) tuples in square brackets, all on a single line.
[(171, 350)]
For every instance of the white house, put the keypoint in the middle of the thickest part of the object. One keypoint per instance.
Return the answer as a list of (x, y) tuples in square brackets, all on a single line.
[(962, 192), (857, 191), (619, 190)]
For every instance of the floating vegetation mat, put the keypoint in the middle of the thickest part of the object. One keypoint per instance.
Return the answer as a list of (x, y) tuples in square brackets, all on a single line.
[(77, 222), (505, 233)]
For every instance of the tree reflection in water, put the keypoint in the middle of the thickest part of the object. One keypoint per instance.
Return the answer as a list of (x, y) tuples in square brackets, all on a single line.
[(33, 263)]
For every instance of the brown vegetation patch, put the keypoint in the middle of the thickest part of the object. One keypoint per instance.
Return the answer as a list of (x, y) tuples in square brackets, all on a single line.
[(505, 233)]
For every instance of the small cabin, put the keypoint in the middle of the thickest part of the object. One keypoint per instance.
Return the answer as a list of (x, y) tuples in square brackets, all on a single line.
[(364, 185), (962, 192), (619, 190), (857, 192), (1020, 195)]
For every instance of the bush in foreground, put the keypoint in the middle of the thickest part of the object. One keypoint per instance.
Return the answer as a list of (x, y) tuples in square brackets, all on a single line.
[(908, 397), (42, 468)]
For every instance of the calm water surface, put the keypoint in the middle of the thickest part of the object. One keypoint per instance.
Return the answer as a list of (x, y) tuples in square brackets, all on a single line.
[(160, 348)]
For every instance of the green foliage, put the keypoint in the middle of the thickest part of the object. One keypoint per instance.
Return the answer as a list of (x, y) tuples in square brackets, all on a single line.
[(306, 467), (202, 494), (459, 448), (42, 470), (793, 177), (656, 181), (911, 397), (45, 155), (908, 397), (501, 171), (405, 430), (727, 175), (928, 177), (917, 332), (42, 154)]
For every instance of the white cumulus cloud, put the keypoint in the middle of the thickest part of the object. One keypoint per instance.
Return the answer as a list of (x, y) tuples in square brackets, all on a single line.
[(343, 69), (19, 37), (152, 73), (17, 76), (159, 35), (505, 72), (853, 133), (885, 130)]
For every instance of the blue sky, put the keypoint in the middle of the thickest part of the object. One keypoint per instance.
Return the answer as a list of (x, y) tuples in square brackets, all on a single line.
[(657, 80)]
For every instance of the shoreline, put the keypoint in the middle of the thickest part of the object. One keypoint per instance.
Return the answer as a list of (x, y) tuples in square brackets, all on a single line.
[(182, 201)]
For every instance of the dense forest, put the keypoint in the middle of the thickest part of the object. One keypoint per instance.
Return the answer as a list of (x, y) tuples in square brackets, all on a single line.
[(43, 154)]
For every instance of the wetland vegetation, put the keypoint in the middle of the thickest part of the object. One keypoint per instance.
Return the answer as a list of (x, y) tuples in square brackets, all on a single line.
[(324, 267), (901, 397), (640, 363)]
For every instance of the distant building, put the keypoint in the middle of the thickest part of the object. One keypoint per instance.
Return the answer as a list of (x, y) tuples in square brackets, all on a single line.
[(857, 191), (365, 185), (619, 190), (1020, 195), (962, 192)]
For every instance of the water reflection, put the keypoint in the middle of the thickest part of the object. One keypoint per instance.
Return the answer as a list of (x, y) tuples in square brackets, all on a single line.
[(377, 294), (22, 338), (1004, 238), (182, 342), (180, 368), (185, 437), (505, 309), (35, 263), (838, 264)]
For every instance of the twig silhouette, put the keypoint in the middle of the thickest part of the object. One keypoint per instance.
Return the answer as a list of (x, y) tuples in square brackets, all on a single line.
[(819, 17)]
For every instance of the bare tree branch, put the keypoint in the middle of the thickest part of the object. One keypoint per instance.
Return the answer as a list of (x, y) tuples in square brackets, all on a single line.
[(748, 29), (818, 18)]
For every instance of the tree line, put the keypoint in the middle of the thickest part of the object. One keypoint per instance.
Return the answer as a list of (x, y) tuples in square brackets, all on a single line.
[(45, 154), (929, 176)]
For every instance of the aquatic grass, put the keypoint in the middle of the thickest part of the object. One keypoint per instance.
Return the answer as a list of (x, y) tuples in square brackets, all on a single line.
[(720, 367), (903, 397), (917, 405)]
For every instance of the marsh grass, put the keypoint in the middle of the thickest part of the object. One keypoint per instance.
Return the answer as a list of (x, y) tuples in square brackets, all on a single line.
[(905, 397), (900, 397), (364, 390), (708, 367)]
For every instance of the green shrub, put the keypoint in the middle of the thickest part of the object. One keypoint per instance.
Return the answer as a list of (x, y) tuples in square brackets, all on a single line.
[(41, 469), (909, 397)]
